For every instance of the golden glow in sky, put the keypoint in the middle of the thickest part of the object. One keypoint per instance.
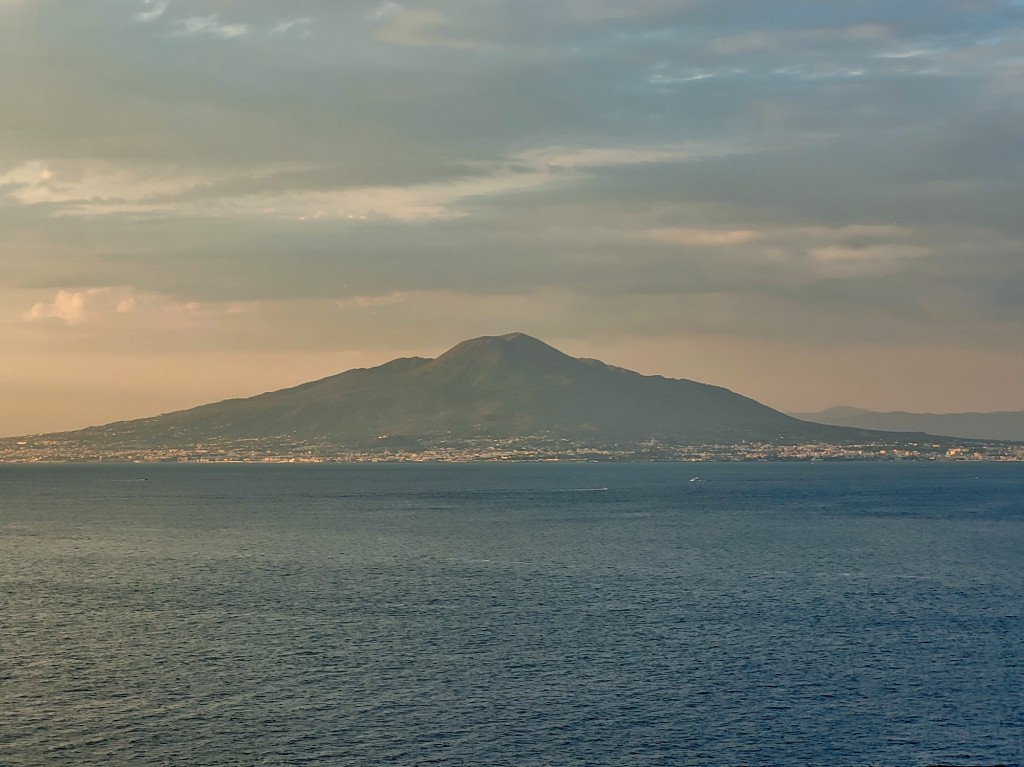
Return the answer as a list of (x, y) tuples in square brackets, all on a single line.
[(809, 203)]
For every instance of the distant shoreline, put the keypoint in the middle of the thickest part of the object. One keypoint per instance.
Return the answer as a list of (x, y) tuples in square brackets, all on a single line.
[(1002, 454)]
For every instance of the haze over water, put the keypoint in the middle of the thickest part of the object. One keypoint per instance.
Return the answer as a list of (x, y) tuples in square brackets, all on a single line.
[(667, 614)]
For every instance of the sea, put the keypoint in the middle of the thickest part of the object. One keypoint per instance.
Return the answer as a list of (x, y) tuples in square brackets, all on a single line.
[(484, 615)]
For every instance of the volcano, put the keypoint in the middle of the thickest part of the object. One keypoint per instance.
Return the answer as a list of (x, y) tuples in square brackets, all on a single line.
[(496, 387)]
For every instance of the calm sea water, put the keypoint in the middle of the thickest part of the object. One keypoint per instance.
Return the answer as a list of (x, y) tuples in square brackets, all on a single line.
[(486, 615)]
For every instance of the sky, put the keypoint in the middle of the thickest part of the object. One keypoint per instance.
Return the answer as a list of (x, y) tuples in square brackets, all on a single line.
[(811, 203)]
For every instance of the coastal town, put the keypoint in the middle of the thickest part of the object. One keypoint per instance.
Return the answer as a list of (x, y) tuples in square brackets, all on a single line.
[(52, 448)]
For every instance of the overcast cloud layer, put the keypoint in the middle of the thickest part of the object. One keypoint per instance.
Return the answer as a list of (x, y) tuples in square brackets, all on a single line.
[(811, 203)]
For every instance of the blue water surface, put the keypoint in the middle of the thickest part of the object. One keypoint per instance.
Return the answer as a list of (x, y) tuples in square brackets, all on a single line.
[(528, 614)]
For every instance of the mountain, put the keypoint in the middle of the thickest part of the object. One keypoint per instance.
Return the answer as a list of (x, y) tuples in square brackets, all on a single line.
[(490, 387), (1007, 425)]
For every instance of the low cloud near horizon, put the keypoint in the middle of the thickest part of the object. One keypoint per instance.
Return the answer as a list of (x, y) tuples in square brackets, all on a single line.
[(809, 203)]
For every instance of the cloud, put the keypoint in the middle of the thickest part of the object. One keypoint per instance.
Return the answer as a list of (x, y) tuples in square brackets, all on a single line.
[(852, 232), (418, 202), (578, 158), (74, 307), (19, 180), (107, 305), (711, 237), (386, 10), (156, 9), (664, 76), (304, 193), (299, 27), (67, 306), (872, 253), (373, 301), (836, 261), (789, 40), (835, 243), (745, 43), (76, 186), (211, 26), (415, 26), (614, 10), (119, 192)]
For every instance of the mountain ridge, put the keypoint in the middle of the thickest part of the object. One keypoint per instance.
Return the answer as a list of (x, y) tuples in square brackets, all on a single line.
[(996, 425)]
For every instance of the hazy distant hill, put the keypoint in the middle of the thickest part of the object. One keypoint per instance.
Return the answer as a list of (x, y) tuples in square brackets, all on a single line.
[(494, 386), (997, 426)]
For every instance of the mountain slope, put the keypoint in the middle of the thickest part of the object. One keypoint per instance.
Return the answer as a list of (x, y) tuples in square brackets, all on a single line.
[(1007, 425)]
